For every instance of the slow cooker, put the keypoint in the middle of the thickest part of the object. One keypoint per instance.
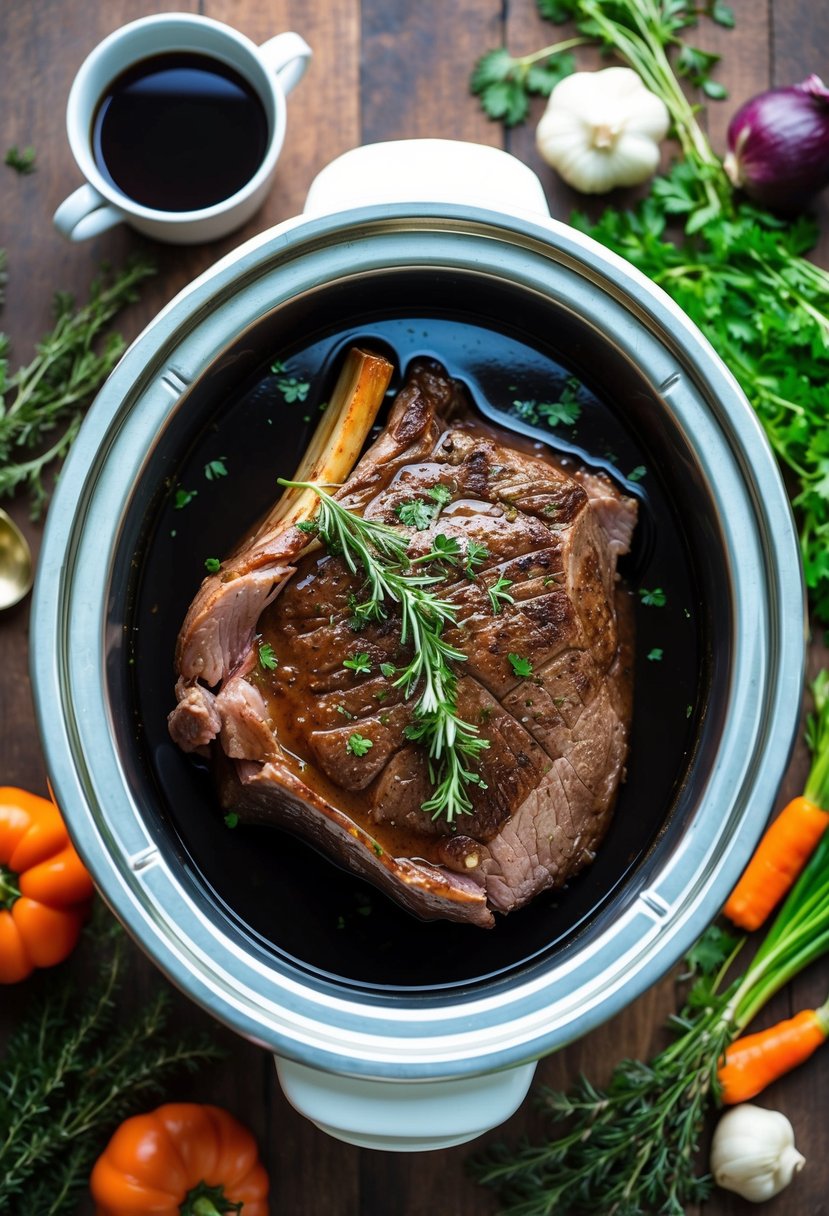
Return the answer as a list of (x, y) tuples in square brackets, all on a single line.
[(387, 1032)]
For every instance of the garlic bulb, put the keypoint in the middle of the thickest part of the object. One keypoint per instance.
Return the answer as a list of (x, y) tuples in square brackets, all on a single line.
[(753, 1152), (602, 129)]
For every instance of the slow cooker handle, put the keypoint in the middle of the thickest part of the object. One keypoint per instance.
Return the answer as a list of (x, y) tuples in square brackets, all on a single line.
[(427, 171), (404, 1116)]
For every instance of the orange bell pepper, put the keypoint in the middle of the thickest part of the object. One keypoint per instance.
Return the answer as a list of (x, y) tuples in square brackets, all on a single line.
[(44, 888), (183, 1159)]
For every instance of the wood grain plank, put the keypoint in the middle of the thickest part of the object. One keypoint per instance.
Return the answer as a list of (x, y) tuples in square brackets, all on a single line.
[(381, 70), (416, 63), (800, 46)]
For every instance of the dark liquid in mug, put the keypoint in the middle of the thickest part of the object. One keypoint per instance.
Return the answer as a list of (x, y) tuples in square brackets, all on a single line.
[(179, 132)]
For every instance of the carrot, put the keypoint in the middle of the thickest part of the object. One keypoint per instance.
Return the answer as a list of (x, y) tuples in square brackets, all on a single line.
[(793, 836), (751, 1063), (780, 856)]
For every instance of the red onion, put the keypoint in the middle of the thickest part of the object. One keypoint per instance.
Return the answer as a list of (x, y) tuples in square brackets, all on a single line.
[(779, 145)]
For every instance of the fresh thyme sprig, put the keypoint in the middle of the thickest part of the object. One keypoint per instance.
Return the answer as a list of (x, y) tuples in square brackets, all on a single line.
[(51, 393), (379, 553), (71, 1072)]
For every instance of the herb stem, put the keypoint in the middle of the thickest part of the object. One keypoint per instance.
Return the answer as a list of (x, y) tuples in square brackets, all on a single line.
[(380, 553)]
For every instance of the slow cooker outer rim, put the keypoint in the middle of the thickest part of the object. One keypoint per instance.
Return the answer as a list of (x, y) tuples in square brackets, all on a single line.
[(135, 370)]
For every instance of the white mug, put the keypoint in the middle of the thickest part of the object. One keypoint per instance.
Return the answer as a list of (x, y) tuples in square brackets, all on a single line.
[(272, 70)]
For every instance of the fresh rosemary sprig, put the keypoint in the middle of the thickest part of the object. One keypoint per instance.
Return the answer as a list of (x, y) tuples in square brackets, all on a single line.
[(72, 1071), (51, 393), (379, 552)]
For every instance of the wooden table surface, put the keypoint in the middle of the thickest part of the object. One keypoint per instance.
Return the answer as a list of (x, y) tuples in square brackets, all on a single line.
[(382, 69)]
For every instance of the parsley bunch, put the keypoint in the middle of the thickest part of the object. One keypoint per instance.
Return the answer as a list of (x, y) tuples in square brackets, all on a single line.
[(738, 271), (379, 552)]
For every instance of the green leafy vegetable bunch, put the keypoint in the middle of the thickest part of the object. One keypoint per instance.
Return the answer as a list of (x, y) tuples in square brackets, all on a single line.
[(738, 271)]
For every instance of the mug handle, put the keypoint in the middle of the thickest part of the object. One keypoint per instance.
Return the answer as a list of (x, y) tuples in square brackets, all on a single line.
[(288, 56), (85, 213)]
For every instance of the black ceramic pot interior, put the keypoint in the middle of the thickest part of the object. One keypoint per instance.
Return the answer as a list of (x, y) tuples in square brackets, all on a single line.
[(279, 898)]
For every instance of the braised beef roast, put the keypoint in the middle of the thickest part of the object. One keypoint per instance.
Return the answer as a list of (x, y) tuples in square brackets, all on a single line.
[(557, 737)]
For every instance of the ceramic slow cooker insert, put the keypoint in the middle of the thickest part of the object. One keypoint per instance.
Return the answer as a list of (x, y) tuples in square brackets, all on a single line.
[(436, 1049)]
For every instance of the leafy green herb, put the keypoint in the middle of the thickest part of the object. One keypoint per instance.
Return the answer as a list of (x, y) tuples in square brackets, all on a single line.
[(498, 595), (520, 666), (505, 84), (293, 389), (183, 497), (655, 598), (380, 553), (388, 670), (231, 819), (277, 367), (415, 513), (75, 1067), (440, 494), (655, 655), (341, 709), (22, 162), (566, 411), (42, 404), (267, 657), (638, 473), (212, 565), (741, 274), (444, 549), (359, 663), (358, 745), (215, 469), (476, 555)]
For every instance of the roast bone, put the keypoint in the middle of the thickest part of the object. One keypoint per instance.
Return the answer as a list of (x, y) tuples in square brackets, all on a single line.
[(558, 739)]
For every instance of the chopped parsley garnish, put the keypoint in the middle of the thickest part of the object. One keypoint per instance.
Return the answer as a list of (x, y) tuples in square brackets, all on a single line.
[(388, 670), (498, 595), (638, 473), (267, 658), (566, 411), (22, 162), (359, 663), (440, 494), (182, 497), (277, 367), (444, 549), (655, 655), (341, 709), (653, 599), (215, 468), (415, 513), (476, 555), (212, 565), (520, 665), (358, 745), (293, 389), (231, 819)]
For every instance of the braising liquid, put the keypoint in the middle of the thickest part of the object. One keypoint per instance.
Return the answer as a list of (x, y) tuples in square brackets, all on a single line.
[(179, 132)]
